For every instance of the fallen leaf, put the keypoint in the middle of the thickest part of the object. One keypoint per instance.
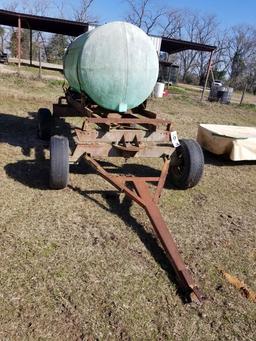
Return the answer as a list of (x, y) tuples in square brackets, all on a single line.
[(241, 286)]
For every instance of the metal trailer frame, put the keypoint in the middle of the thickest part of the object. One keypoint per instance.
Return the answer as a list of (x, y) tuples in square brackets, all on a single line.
[(119, 136)]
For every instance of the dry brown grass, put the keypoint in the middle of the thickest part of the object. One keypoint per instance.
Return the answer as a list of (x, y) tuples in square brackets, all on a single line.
[(235, 99), (78, 265), (30, 71)]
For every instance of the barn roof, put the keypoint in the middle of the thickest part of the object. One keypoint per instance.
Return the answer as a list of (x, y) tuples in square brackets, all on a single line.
[(44, 24), (171, 46), (74, 28)]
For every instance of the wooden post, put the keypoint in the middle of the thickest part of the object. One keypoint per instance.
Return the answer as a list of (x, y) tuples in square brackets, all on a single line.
[(40, 63), (19, 41), (207, 76), (30, 47), (2, 43), (244, 90), (213, 79)]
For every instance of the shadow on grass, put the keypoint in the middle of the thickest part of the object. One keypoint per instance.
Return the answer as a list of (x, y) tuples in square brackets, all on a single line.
[(122, 210), (31, 173), (223, 160), (134, 169), (20, 132)]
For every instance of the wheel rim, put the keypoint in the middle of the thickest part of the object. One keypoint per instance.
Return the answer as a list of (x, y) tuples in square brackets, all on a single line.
[(178, 166)]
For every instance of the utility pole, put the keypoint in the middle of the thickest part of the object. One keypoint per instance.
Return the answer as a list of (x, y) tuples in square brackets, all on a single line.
[(30, 47), (244, 90), (40, 63), (207, 75), (19, 42)]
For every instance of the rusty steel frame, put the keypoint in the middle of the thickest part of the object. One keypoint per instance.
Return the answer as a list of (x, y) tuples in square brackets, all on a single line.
[(117, 136), (141, 194), (137, 133)]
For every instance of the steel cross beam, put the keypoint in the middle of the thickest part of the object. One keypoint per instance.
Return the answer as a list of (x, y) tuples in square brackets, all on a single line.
[(143, 197)]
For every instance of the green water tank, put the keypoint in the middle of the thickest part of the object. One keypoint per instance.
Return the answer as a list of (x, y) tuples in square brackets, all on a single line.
[(116, 65)]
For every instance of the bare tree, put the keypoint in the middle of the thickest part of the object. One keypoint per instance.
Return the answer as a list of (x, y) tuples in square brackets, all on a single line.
[(221, 41), (61, 11), (189, 32), (242, 53), (206, 32), (36, 7), (172, 23), (249, 77), (11, 5), (81, 13), (145, 14), (201, 29)]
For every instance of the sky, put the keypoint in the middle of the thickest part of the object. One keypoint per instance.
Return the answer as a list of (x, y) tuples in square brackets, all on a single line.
[(228, 12)]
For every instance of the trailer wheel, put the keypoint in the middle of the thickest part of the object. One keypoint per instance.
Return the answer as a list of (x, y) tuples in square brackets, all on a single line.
[(44, 117), (59, 162), (188, 165)]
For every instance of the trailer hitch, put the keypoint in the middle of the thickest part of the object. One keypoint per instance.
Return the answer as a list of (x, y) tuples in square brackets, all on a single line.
[(139, 192)]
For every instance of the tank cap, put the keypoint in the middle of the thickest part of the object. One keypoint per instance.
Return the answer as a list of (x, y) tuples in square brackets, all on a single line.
[(122, 107)]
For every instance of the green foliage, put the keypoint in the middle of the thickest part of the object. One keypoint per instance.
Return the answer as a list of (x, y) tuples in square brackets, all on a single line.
[(24, 44), (176, 90), (219, 74), (55, 83), (191, 78), (237, 69), (56, 48), (248, 106)]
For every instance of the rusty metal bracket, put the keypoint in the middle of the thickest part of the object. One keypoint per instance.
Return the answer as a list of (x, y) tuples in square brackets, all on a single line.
[(139, 192)]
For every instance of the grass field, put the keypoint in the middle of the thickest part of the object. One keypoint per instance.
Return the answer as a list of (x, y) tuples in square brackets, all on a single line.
[(235, 99), (31, 72), (78, 264)]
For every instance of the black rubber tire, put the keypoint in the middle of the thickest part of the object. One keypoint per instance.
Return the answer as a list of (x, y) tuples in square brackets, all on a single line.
[(190, 170), (59, 162), (44, 118)]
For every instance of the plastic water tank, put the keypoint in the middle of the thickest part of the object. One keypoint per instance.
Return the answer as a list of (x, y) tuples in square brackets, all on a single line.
[(116, 65), (213, 95), (226, 97)]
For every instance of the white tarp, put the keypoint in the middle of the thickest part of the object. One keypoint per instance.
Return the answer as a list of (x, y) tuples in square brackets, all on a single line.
[(236, 141)]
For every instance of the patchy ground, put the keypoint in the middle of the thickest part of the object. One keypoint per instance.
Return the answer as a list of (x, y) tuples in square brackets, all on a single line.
[(78, 265), (31, 72), (235, 99)]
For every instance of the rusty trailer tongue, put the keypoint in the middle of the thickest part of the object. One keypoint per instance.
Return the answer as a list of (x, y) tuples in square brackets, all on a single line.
[(140, 193), (137, 133)]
